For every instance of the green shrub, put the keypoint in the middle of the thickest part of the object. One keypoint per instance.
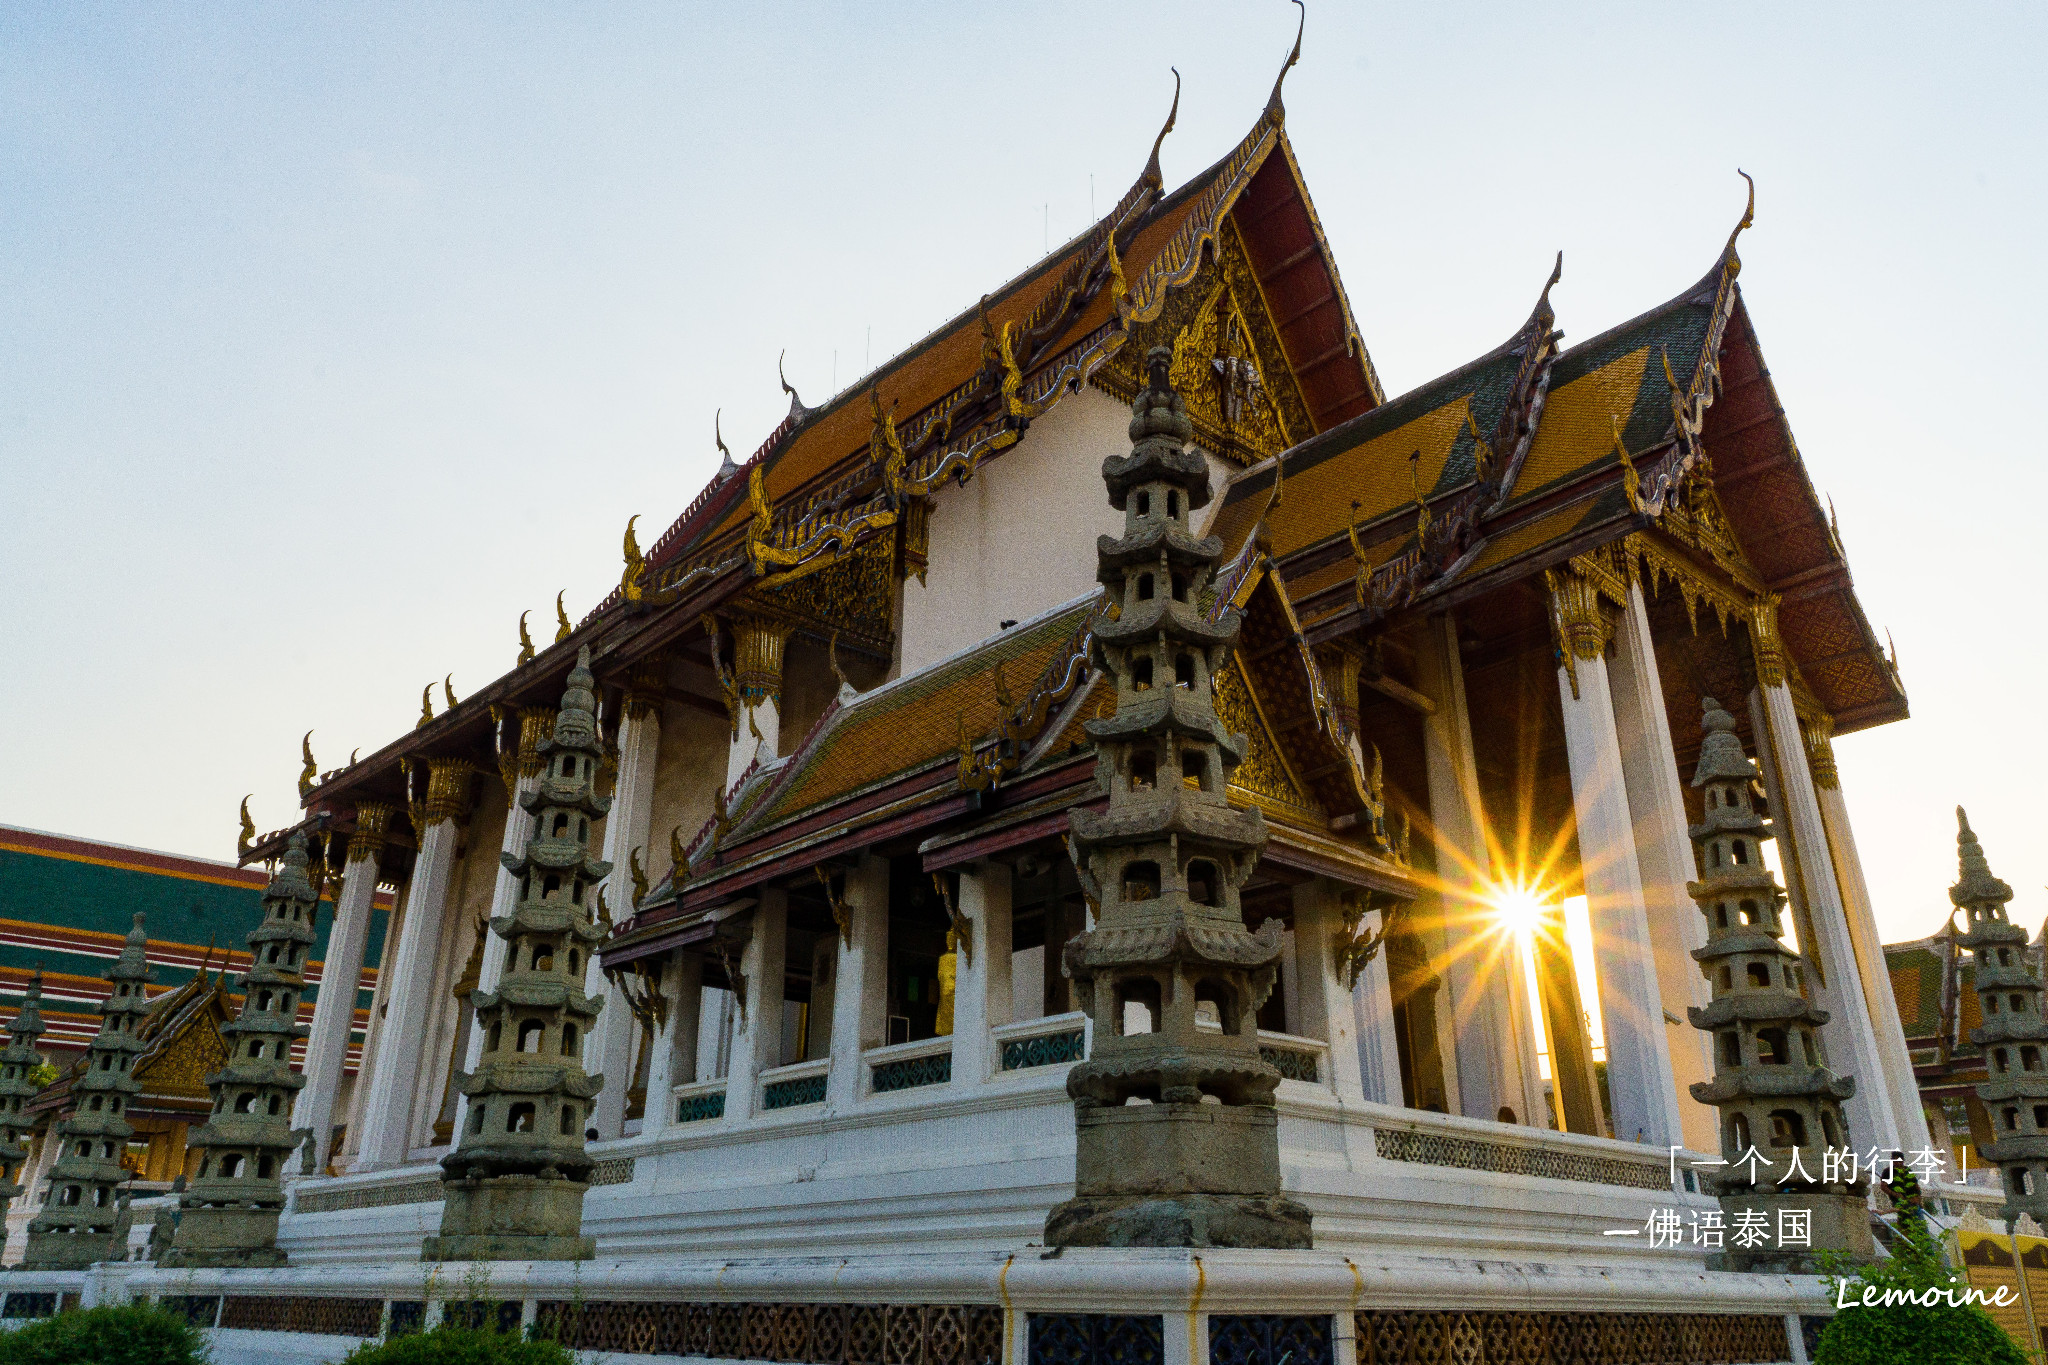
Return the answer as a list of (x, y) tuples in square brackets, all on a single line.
[(459, 1346), (123, 1334), (1936, 1335)]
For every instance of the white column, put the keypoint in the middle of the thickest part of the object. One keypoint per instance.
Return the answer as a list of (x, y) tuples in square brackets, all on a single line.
[(712, 1011), (765, 716), (388, 1107), (1850, 1039), (341, 976), (1325, 1007), (1907, 1108), (860, 989), (1664, 858), (1642, 1095), (757, 1045), (1372, 1012), (609, 1049), (1479, 966), (373, 1035), (674, 1051), (981, 981)]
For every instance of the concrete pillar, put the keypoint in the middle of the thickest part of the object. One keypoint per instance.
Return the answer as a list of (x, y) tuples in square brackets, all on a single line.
[(380, 1000), (1495, 1061), (609, 1049), (818, 1018), (1664, 858), (981, 982), (1372, 1013), (1849, 1036), (712, 1015), (672, 1057), (387, 1110), (757, 1042), (341, 975), (1642, 1094), (860, 988), (1326, 1007), (1907, 1109), (1575, 1086)]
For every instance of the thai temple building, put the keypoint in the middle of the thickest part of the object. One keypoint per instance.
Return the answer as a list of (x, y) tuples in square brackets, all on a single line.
[(1061, 853)]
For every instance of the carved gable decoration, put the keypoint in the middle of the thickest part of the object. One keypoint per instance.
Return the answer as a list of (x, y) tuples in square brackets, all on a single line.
[(1264, 779), (181, 1065), (852, 594), (1228, 364)]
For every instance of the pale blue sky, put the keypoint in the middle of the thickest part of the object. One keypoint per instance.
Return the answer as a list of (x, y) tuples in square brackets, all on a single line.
[(332, 337)]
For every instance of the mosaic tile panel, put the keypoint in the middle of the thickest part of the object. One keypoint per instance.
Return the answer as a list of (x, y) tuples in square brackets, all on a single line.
[(305, 1313), (1396, 1338), (1474, 1154)]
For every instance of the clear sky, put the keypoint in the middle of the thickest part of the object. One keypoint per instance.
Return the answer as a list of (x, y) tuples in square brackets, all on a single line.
[(333, 337)]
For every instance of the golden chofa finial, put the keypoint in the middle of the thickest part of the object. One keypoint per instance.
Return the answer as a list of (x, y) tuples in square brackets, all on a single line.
[(525, 640), (561, 618), (636, 565), (247, 837), (1273, 106), (796, 404), (448, 690), (1152, 172), (1631, 481), (426, 706), (311, 770), (1748, 217)]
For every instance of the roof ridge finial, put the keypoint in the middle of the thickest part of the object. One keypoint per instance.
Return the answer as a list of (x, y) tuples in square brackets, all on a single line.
[(1543, 310), (1974, 882), (727, 468), (796, 404), (1152, 172), (1748, 217), (1273, 105)]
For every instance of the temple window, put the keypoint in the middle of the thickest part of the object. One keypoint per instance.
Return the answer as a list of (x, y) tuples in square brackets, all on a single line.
[(1731, 1048), (1144, 587), (530, 1035), (1194, 770), (244, 1101), (1741, 851), (1759, 975), (1141, 674), (1172, 502), (1720, 917), (568, 1041), (2041, 1117), (1806, 1045), (2011, 1117), (1144, 504), (1827, 1128), (1184, 671), (520, 1120), (1787, 1129), (1998, 1058), (263, 1001), (1202, 882), (576, 889), (2005, 957), (230, 1166), (1180, 588), (265, 1166), (1748, 909), (70, 1196), (551, 886), (492, 1045), (1144, 771), (1714, 854), (582, 827), (2030, 1058), (2016, 1004), (1738, 1134), (1991, 1004), (561, 824), (476, 1120), (1770, 1046), (543, 957), (1141, 881), (568, 1120), (575, 959), (1216, 1003)]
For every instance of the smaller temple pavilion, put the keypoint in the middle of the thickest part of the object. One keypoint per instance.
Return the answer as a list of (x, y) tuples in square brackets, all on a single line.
[(65, 906)]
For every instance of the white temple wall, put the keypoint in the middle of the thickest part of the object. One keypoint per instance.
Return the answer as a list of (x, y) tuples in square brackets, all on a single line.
[(1019, 539), (469, 895)]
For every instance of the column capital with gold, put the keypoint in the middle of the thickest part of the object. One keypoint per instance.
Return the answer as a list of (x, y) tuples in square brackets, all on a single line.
[(1765, 642), (373, 825)]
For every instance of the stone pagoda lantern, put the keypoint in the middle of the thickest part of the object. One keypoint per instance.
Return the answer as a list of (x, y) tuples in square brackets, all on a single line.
[(515, 1182), (1169, 973), (18, 1064), (85, 1216), (2014, 1035), (228, 1217), (1780, 1106)]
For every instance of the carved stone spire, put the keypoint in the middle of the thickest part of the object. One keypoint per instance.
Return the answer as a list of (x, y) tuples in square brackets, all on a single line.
[(1780, 1106), (2014, 1034), (515, 1182), (85, 1217), (228, 1216), (1170, 974), (17, 1087)]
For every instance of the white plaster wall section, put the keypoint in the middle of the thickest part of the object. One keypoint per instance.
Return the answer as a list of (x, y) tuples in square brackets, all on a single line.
[(1020, 537)]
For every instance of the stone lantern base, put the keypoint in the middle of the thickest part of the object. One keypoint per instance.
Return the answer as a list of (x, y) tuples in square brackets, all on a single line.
[(1185, 1175), (227, 1235), (511, 1218), (1840, 1224)]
